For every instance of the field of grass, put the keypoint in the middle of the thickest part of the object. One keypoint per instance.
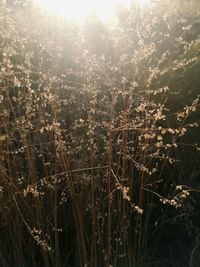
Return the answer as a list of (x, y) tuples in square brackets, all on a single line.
[(99, 138)]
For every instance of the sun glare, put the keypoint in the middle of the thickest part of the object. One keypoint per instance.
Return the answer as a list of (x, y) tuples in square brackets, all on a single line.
[(79, 10)]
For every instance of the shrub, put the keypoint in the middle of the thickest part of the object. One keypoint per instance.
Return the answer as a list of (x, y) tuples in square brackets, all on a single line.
[(93, 124)]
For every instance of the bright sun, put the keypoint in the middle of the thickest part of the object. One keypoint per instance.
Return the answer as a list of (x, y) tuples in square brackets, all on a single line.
[(79, 10)]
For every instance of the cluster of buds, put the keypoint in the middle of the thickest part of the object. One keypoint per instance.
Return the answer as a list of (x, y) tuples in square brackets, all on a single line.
[(178, 199)]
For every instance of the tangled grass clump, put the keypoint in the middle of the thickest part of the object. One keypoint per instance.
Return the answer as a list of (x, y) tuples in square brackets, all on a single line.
[(93, 126)]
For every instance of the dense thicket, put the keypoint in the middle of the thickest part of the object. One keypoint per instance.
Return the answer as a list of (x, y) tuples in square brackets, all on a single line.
[(99, 138)]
